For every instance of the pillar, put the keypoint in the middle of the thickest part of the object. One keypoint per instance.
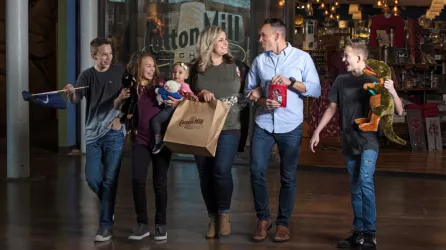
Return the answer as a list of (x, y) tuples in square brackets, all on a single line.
[(66, 72), (289, 17), (88, 31), (17, 80)]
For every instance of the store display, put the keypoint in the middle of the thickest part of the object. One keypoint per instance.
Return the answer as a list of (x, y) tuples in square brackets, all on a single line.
[(387, 22), (320, 61)]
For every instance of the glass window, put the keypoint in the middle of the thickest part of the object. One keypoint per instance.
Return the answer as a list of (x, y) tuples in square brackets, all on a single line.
[(169, 29)]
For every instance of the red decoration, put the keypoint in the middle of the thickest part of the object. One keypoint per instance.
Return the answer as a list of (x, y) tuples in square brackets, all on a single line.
[(277, 92), (415, 124)]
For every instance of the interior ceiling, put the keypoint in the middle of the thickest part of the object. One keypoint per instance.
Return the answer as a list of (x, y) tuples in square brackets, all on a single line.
[(401, 2)]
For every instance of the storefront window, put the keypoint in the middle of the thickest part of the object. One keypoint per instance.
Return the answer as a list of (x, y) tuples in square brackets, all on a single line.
[(169, 29)]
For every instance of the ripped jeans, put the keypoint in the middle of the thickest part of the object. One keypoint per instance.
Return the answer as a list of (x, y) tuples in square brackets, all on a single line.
[(361, 169)]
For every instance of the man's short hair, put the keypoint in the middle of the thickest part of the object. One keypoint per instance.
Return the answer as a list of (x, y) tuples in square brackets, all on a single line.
[(360, 46), (98, 42), (277, 25)]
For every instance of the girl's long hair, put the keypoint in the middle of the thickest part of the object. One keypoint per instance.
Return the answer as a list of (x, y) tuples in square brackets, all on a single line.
[(205, 45), (134, 67)]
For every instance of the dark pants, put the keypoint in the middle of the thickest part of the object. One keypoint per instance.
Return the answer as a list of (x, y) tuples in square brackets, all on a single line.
[(215, 173), (106, 152), (141, 156), (361, 169), (261, 146), (161, 119)]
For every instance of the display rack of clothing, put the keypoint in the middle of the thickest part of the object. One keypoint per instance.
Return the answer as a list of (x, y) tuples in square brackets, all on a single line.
[(387, 22)]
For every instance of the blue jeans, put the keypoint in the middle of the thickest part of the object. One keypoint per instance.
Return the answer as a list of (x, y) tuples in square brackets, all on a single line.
[(215, 173), (361, 169), (106, 152), (261, 146)]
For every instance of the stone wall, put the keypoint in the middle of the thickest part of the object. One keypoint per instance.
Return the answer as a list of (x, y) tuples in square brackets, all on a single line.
[(42, 68)]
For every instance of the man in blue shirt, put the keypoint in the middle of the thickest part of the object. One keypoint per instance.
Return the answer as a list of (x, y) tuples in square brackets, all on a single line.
[(281, 63)]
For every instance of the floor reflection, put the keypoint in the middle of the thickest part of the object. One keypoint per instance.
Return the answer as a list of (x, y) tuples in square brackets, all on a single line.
[(60, 212)]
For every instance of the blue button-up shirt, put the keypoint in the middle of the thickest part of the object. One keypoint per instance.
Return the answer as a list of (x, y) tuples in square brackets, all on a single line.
[(291, 62)]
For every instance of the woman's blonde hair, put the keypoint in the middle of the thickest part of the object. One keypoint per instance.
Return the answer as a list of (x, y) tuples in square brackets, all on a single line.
[(134, 66), (205, 45)]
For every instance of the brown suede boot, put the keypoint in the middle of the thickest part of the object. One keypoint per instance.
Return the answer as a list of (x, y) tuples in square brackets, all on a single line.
[(263, 226), (225, 224), (212, 230)]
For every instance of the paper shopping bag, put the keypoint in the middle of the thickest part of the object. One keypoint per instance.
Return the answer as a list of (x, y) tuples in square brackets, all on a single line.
[(195, 127)]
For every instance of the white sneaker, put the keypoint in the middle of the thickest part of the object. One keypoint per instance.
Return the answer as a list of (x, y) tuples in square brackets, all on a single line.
[(140, 232)]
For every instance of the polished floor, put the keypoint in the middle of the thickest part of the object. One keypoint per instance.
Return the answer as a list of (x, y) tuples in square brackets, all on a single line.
[(56, 209)]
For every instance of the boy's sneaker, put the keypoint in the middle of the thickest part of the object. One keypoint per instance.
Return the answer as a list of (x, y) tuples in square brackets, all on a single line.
[(160, 232), (369, 240), (139, 232), (356, 239), (103, 234), (157, 148)]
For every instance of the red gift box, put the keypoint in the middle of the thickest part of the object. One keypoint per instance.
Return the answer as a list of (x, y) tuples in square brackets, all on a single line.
[(277, 92)]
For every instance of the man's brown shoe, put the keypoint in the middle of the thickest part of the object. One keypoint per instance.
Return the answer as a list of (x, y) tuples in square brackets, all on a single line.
[(263, 226), (282, 234)]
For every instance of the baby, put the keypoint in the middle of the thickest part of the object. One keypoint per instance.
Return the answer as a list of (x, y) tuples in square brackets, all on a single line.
[(180, 73)]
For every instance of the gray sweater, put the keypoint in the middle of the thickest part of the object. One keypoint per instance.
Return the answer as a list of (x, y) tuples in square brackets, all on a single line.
[(223, 81)]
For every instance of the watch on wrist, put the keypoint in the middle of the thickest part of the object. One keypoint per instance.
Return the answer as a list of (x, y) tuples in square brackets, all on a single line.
[(292, 81)]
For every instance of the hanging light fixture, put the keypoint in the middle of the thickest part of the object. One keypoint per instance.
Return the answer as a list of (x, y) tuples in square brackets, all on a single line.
[(353, 8), (357, 16), (435, 9)]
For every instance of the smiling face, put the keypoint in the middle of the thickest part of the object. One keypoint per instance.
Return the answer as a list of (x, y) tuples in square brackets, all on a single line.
[(220, 47), (268, 37), (103, 56), (179, 74), (351, 58), (147, 68)]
